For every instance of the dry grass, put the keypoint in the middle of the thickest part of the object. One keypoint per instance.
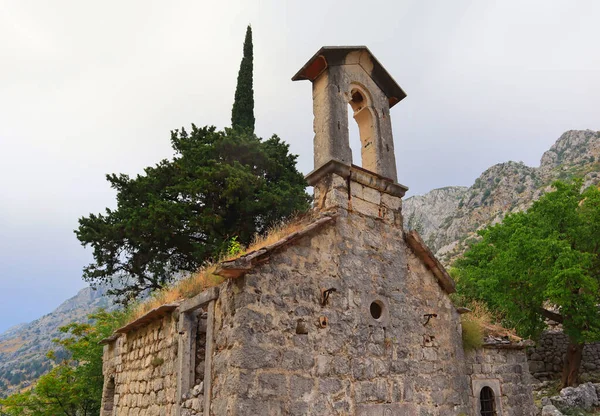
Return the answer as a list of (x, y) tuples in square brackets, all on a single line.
[(472, 334), (185, 288), (206, 278), (279, 231), (481, 317), (11, 345)]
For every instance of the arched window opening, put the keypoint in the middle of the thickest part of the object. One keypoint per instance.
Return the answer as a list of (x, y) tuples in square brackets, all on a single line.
[(363, 115), (487, 402), (354, 138)]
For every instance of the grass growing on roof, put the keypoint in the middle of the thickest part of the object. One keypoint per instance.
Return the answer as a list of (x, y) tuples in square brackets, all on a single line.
[(480, 322), (472, 334), (206, 278), (185, 288)]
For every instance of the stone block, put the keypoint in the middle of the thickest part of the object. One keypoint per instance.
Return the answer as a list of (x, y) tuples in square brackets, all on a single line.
[(371, 195), (372, 391), (323, 365), (299, 408), (300, 386), (329, 386), (357, 190), (296, 360), (391, 202), (254, 358), (365, 207), (405, 409), (271, 385), (336, 198), (260, 407)]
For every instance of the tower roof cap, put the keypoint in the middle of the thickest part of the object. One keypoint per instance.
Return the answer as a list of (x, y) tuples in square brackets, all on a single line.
[(338, 55)]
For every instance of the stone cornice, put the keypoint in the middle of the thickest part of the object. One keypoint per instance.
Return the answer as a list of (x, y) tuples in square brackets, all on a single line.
[(359, 175)]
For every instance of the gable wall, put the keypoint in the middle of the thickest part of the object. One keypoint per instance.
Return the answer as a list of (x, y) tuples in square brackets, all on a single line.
[(143, 364), (355, 365)]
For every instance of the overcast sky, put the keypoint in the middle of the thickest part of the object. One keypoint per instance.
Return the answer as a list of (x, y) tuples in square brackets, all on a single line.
[(89, 88)]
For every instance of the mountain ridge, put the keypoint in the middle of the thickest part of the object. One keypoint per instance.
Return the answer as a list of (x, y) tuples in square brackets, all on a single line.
[(503, 188), (23, 347)]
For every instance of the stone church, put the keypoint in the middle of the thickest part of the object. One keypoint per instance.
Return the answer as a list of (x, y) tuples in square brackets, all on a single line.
[(350, 315)]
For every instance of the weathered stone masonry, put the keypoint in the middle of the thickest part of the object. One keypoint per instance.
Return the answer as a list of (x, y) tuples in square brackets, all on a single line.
[(355, 363), (504, 369), (546, 358), (348, 316), (141, 366)]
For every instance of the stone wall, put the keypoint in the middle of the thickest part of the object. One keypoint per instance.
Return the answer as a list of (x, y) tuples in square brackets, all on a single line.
[(546, 358), (142, 367), (506, 372), (279, 351)]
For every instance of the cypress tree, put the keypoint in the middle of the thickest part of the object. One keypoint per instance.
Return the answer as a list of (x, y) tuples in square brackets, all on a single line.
[(242, 114)]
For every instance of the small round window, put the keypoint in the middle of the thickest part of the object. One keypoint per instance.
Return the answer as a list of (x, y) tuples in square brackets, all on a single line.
[(376, 309)]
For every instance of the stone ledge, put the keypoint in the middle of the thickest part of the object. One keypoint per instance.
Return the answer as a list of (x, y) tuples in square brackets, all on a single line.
[(242, 265), (509, 346), (359, 175), (109, 339), (414, 241), (200, 299), (148, 317)]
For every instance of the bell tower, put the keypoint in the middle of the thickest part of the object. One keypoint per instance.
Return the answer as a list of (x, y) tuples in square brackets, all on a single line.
[(343, 78)]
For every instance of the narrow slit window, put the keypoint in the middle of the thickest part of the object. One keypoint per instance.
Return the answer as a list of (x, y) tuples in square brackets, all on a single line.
[(109, 397)]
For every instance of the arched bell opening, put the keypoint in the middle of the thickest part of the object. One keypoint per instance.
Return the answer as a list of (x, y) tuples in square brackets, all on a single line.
[(364, 115)]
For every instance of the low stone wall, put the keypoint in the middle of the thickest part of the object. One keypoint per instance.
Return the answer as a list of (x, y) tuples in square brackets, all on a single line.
[(546, 358), (506, 372), (139, 371)]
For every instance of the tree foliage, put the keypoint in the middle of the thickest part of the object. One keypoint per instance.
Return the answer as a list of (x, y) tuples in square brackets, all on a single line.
[(543, 263), (242, 114), (74, 386), (183, 212)]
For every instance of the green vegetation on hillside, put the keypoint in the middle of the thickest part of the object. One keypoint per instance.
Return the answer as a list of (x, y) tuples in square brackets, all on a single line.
[(542, 264), (74, 386)]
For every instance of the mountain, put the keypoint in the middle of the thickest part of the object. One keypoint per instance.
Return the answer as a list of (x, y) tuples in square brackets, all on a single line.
[(23, 347), (448, 217)]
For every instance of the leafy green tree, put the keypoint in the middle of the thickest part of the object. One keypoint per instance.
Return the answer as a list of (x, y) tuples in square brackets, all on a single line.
[(242, 114), (543, 264), (184, 211), (74, 386)]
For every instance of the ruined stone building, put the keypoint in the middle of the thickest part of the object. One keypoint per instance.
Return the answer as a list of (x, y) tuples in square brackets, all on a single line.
[(350, 315)]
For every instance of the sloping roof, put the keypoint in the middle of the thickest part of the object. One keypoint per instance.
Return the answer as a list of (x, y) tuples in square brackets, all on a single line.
[(335, 55), (415, 242), (228, 269), (245, 263), (148, 317), (504, 343), (109, 339)]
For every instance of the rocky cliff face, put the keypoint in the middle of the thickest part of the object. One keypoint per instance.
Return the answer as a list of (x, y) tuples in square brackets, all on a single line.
[(448, 217), (23, 347), (426, 213)]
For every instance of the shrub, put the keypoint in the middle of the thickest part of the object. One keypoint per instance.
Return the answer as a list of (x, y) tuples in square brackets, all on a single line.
[(472, 334)]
